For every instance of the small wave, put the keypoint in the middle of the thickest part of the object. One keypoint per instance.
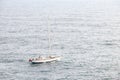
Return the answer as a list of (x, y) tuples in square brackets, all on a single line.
[(6, 61), (5, 76), (44, 71), (43, 79), (109, 44), (11, 61)]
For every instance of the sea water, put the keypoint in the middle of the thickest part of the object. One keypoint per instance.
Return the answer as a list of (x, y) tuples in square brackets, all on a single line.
[(86, 33)]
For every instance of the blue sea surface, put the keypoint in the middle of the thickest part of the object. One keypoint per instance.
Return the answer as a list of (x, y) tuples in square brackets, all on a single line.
[(86, 33)]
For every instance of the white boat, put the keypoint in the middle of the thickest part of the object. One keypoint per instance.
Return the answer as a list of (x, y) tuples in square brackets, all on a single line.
[(44, 59)]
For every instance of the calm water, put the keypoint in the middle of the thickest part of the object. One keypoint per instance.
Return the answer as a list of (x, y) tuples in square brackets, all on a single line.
[(85, 32)]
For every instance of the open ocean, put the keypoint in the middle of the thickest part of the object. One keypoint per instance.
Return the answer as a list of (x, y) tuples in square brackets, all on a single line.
[(85, 32)]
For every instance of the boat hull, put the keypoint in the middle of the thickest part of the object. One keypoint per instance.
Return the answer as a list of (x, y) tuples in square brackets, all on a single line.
[(45, 60)]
